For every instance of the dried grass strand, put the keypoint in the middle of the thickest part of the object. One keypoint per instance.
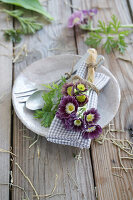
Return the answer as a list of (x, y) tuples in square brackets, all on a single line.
[(78, 156), (116, 144), (123, 145), (19, 187), (38, 152), (34, 142), (6, 151), (125, 59), (127, 168), (22, 49), (53, 190), (26, 177), (130, 158), (119, 154), (52, 195), (55, 184), (117, 175), (102, 138)]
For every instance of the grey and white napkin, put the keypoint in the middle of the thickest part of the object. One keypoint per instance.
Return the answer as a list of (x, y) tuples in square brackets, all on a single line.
[(57, 133)]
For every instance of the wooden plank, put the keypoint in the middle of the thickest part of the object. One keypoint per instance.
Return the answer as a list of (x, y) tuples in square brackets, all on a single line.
[(105, 156), (130, 6), (54, 159), (5, 105)]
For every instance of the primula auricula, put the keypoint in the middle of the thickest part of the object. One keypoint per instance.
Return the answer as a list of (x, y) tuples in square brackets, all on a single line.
[(90, 12), (92, 131), (81, 17), (75, 19), (91, 116), (74, 123), (81, 86), (73, 117), (82, 99), (68, 89), (68, 105)]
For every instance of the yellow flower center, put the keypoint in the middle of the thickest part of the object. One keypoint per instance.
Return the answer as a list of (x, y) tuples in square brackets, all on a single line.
[(81, 98), (91, 129), (70, 108), (76, 20), (69, 91), (77, 122), (90, 117), (91, 14), (81, 87)]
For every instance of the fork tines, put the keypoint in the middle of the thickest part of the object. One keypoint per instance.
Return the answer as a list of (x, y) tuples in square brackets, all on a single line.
[(26, 91)]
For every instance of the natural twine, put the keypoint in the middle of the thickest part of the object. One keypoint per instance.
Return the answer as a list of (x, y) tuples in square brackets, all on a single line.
[(69, 74), (88, 83), (76, 77), (91, 65), (91, 85)]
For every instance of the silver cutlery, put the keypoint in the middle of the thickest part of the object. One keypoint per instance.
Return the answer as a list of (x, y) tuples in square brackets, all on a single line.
[(33, 97)]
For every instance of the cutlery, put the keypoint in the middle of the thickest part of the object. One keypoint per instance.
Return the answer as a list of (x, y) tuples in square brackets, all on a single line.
[(33, 97)]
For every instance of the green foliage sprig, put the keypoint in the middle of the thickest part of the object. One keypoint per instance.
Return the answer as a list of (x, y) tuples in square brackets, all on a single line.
[(29, 5), (13, 35), (28, 25), (109, 36), (51, 101)]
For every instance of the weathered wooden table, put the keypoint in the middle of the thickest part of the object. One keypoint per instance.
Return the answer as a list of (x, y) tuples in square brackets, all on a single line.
[(93, 173)]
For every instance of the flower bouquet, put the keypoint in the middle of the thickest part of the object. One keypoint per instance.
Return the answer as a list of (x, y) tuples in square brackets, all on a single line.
[(73, 110), (70, 108)]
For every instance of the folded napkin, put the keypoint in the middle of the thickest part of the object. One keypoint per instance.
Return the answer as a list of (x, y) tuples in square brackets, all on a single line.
[(57, 133)]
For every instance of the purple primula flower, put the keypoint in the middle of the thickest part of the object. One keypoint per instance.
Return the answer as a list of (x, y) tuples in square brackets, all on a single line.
[(59, 117), (81, 86), (68, 89), (82, 99), (91, 116), (92, 132), (69, 121), (90, 12), (68, 105), (74, 123), (75, 19), (78, 124)]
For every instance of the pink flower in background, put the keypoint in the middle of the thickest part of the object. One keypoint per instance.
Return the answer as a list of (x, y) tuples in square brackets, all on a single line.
[(75, 19), (90, 12), (81, 17)]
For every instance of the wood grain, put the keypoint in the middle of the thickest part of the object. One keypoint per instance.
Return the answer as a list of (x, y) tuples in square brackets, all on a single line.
[(5, 105), (130, 6), (44, 160), (105, 156)]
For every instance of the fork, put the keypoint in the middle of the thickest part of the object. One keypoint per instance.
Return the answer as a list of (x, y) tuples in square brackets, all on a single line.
[(24, 95)]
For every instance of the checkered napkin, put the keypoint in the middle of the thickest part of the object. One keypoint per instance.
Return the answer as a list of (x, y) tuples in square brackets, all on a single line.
[(57, 133)]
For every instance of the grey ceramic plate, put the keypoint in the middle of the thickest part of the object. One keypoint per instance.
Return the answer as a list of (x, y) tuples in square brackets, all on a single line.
[(51, 69)]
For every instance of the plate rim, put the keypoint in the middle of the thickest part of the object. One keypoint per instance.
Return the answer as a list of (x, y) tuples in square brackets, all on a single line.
[(44, 135)]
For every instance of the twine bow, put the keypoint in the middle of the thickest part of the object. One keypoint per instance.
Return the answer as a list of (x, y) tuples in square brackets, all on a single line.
[(90, 84), (91, 65), (76, 77)]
